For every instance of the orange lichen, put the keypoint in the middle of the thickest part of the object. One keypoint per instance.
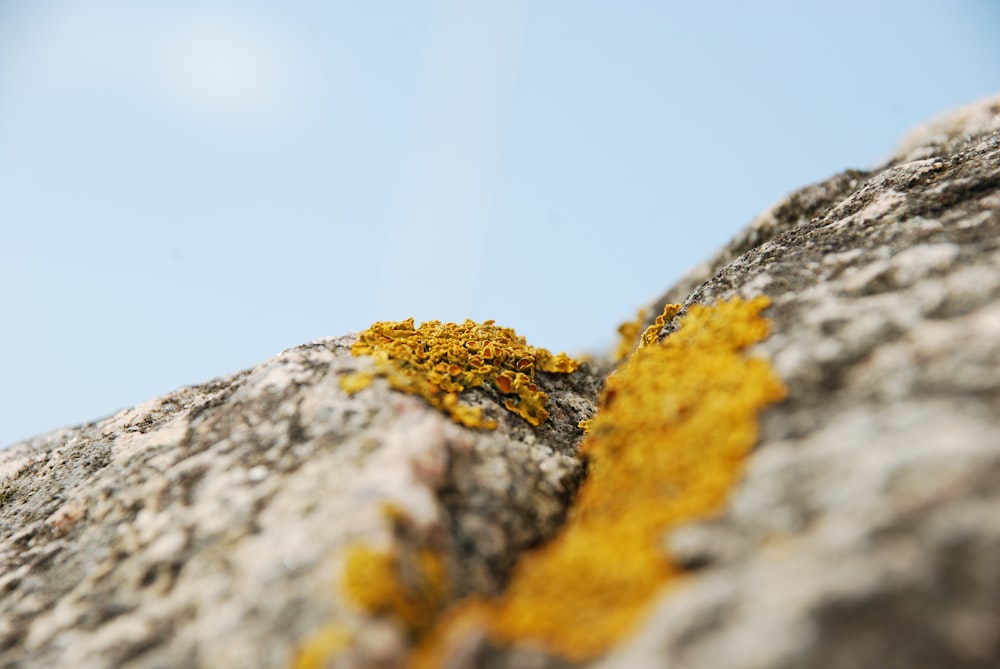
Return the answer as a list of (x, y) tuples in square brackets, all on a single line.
[(438, 361), (668, 443)]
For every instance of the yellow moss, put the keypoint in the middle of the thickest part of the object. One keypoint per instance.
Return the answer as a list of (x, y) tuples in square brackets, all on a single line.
[(438, 361), (667, 445)]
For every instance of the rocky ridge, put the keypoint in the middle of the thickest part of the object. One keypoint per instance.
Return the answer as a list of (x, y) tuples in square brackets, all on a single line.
[(209, 527)]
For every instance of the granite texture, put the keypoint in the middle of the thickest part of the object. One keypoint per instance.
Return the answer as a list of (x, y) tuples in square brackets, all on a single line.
[(208, 527)]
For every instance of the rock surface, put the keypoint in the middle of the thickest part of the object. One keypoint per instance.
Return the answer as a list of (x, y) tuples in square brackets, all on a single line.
[(866, 531), (208, 527), (203, 528)]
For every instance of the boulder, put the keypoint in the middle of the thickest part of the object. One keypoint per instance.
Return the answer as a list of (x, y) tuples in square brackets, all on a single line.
[(817, 489)]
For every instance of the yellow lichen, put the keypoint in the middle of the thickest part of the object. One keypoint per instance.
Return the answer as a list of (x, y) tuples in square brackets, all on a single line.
[(628, 335), (651, 335), (406, 584), (439, 361), (411, 591), (325, 643), (352, 383), (666, 447)]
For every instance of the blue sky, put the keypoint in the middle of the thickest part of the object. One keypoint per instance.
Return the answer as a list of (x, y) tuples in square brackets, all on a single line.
[(188, 187)]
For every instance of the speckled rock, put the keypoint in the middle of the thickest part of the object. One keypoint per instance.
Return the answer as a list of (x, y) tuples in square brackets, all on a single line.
[(208, 527), (866, 532)]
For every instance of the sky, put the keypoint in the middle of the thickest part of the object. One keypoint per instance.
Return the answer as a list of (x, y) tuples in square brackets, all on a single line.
[(188, 187)]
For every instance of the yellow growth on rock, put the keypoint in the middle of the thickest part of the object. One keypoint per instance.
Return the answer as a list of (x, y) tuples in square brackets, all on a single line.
[(651, 335), (405, 584), (409, 591), (438, 361), (666, 447), (628, 335), (321, 646)]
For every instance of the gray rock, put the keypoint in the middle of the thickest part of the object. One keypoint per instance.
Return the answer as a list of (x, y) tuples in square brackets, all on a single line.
[(866, 532), (209, 527)]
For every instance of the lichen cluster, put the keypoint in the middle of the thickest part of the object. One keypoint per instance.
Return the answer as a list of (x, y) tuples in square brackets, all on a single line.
[(406, 583), (628, 334), (439, 361), (323, 644), (666, 447), (631, 334), (409, 589)]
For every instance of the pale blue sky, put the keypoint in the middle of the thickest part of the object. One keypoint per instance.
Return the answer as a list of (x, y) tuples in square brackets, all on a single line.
[(188, 187)]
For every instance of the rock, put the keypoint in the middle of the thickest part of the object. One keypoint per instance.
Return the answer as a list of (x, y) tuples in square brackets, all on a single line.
[(207, 527), (212, 526), (865, 532)]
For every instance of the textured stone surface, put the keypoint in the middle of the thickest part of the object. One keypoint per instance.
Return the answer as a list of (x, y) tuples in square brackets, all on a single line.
[(206, 527), (866, 531)]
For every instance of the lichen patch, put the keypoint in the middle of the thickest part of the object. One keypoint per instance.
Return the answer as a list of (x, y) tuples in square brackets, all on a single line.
[(438, 361), (666, 447)]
